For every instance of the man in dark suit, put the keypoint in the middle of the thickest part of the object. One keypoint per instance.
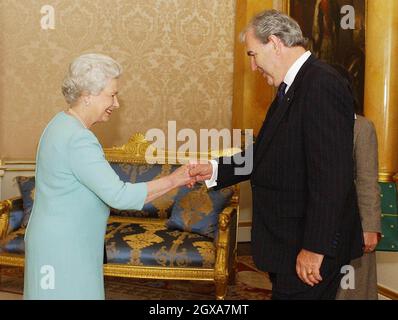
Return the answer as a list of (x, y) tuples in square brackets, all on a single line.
[(306, 224)]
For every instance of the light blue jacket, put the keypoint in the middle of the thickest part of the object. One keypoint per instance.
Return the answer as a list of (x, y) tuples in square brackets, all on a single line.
[(75, 186)]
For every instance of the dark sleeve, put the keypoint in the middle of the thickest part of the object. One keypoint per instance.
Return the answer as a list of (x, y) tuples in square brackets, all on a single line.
[(235, 169), (328, 121)]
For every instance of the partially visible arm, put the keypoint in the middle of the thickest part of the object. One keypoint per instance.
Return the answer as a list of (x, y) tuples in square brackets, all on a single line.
[(368, 189), (367, 174)]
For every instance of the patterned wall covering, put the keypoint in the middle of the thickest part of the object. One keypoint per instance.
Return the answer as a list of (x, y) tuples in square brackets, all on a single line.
[(177, 56)]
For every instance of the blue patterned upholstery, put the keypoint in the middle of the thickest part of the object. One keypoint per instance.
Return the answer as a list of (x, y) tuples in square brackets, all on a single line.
[(152, 244), (27, 189), (15, 221), (196, 210), (13, 242), (185, 240), (130, 172), (16, 216), (141, 244)]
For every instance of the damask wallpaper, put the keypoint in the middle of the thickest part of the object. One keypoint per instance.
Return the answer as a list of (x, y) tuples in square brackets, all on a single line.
[(177, 57)]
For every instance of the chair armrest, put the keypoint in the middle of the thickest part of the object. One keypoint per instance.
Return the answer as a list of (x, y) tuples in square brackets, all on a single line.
[(225, 218), (7, 207)]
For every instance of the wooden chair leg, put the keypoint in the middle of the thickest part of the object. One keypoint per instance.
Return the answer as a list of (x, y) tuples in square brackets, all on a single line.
[(221, 289)]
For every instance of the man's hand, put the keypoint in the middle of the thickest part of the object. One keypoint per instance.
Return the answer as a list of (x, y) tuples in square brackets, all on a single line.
[(201, 172), (182, 177), (370, 241), (308, 265)]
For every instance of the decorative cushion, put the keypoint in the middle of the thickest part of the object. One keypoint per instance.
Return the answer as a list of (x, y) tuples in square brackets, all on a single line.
[(16, 216), (152, 244), (196, 210), (130, 172), (14, 242), (27, 189)]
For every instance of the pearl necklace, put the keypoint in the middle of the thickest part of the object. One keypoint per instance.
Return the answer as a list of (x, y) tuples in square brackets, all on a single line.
[(73, 113)]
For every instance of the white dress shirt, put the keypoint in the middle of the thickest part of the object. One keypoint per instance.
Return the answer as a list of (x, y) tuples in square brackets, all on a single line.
[(294, 69), (289, 79)]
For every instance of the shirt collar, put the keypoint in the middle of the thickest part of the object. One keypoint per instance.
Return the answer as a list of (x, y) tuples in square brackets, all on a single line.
[(295, 68)]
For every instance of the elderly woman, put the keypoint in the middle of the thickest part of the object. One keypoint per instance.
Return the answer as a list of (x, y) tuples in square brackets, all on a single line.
[(75, 186)]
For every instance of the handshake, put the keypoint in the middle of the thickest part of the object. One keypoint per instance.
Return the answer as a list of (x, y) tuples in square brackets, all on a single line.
[(189, 174)]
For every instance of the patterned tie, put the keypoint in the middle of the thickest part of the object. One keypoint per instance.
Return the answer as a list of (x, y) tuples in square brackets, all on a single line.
[(281, 92)]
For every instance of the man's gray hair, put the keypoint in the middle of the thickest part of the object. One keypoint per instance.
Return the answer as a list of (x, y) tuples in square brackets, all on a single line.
[(89, 73), (273, 22)]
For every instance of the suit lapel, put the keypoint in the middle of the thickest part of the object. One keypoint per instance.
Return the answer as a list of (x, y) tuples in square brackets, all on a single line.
[(270, 126), (271, 110)]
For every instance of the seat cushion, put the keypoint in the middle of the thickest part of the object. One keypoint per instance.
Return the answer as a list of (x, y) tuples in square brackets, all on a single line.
[(134, 173), (196, 210), (13, 242), (142, 244), (27, 188), (152, 244)]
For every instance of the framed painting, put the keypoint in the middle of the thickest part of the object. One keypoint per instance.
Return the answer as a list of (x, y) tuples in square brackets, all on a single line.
[(336, 33)]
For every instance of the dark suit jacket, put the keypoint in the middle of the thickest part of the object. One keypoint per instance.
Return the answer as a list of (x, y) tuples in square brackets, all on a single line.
[(302, 180)]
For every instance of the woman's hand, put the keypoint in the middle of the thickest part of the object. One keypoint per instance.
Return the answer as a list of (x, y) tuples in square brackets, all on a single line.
[(181, 177)]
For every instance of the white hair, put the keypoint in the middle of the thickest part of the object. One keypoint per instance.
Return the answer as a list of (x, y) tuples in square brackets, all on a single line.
[(273, 22), (89, 74)]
